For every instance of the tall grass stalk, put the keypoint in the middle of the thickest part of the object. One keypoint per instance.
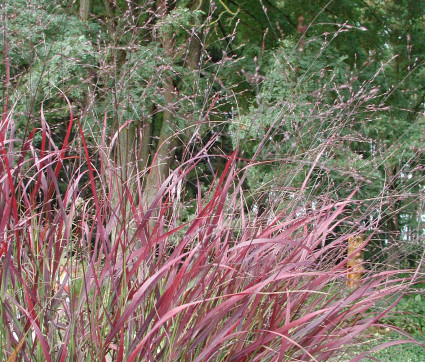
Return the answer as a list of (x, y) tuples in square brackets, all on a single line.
[(82, 281)]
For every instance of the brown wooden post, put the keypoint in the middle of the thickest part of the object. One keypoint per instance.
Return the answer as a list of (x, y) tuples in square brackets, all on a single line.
[(355, 268)]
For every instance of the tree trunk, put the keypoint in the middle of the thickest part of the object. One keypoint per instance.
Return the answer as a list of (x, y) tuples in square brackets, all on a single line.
[(167, 141), (109, 9), (164, 155), (86, 8), (195, 40), (145, 134)]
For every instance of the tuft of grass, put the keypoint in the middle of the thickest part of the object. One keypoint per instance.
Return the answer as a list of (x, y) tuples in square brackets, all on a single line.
[(91, 273)]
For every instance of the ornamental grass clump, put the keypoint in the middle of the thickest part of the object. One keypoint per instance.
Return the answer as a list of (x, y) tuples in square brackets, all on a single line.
[(90, 272)]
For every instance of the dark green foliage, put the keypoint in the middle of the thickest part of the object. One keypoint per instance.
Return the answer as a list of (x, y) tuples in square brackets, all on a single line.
[(410, 312), (51, 53)]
